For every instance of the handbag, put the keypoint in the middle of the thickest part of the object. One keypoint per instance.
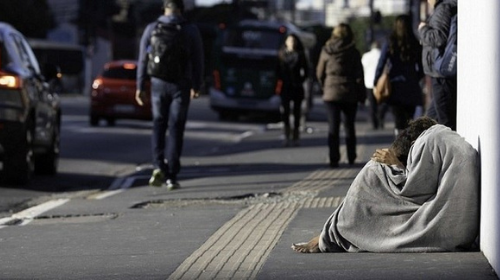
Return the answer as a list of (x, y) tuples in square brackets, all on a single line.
[(382, 90)]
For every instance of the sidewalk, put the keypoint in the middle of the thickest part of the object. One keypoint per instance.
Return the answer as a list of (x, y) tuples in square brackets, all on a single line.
[(255, 244)]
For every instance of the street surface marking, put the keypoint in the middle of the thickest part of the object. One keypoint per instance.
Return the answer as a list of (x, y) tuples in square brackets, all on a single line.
[(241, 246), (26, 216), (119, 185)]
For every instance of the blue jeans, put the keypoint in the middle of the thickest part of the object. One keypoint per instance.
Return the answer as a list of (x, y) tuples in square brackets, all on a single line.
[(443, 107), (170, 103)]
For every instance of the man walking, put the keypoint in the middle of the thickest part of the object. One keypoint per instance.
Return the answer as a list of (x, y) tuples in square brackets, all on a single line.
[(171, 56)]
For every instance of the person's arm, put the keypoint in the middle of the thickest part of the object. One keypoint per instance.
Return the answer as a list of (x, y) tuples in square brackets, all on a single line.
[(304, 66), (142, 61), (360, 74), (197, 62), (434, 33), (320, 69), (386, 156), (384, 53)]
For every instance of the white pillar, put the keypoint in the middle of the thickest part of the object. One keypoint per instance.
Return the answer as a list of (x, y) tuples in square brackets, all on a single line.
[(479, 108)]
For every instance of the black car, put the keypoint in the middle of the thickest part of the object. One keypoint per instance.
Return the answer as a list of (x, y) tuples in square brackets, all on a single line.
[(30, 114)]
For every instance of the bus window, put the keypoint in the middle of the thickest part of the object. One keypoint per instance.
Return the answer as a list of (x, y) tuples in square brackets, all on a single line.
[(253, 39)]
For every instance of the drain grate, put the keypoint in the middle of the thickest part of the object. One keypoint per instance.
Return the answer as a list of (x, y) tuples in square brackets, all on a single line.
[(73, 219)]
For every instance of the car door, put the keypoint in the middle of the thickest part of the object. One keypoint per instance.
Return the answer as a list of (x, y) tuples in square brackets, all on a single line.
[(44, 113)]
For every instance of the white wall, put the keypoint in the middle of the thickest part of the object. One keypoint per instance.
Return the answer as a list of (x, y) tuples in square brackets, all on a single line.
[(479, 108)]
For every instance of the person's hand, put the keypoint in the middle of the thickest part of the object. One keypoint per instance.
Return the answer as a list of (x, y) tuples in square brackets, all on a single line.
[(139, 97), (386, 156), (195, 94), (422, 24)]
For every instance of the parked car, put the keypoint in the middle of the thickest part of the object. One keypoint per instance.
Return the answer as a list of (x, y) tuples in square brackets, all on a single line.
[(113, 94), (30, 113)]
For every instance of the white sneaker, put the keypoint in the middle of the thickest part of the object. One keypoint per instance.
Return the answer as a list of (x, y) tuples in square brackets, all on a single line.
[(172, 184)]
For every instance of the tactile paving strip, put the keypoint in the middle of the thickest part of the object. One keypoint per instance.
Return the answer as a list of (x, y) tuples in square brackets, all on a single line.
[(240, 247)]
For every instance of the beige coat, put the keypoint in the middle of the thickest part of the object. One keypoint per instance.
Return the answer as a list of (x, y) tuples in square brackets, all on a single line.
[(340, 72)]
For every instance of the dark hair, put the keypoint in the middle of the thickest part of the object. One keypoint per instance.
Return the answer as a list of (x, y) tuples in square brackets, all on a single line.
[(402, 40), (298, 47), (401, 146), (174, 4)]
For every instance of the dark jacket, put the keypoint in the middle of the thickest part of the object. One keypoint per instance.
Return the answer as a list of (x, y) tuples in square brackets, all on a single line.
[(405, 76), (293, 70), (340, 72), (435, 34), (194, 69)]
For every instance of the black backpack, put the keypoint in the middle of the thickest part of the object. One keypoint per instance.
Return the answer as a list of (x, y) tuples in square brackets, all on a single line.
[(445, 60), (168, 56)]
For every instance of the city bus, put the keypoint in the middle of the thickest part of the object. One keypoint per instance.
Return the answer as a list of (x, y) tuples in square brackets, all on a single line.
[(244, 74)]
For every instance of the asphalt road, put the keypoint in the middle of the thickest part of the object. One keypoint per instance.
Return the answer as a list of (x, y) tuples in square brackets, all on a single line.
[(97, 218), (96, 158), (244, 200)]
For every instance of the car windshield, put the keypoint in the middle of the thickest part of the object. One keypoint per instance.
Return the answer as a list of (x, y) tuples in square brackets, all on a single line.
[(253, 38), (120, 73)]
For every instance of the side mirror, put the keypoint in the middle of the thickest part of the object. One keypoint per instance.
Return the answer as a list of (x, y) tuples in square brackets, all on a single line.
[(53, 77), (51, 72)]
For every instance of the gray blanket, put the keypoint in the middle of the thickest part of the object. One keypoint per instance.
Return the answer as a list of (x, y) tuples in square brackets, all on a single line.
[(431, 206)]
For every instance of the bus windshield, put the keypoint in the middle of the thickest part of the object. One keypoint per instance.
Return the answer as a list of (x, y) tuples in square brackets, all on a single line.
[(253, 39)]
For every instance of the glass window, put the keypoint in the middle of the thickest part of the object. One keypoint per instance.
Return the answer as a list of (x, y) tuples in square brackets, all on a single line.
[(120, 73), (27, 54), (70, 61), (12, 51), (253, 38)]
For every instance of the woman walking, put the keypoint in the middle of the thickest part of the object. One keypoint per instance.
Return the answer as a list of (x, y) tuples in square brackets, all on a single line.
[(293, 70), (401, 56), (340, 73)]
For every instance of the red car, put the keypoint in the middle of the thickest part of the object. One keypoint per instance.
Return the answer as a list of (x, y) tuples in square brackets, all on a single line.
[(113, 94)]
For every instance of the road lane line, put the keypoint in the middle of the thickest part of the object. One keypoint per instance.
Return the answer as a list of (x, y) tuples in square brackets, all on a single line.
[(26, 216), (119, 185)]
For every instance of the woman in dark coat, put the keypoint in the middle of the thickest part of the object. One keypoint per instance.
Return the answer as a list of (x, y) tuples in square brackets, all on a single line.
[(293, 69), (402, 54), (340, 73)]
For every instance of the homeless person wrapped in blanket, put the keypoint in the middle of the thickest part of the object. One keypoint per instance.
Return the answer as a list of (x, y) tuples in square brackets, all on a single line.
[(431, 206)]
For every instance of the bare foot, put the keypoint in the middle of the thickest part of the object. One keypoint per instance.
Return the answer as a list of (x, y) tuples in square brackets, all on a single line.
[(310, 247)]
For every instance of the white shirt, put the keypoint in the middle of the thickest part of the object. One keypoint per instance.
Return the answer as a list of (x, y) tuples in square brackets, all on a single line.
[(370, 61)]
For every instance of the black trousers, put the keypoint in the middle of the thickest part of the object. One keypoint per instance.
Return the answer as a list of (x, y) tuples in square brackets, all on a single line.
[(403, 114), (337, 112), (377, 111), (286, 101)]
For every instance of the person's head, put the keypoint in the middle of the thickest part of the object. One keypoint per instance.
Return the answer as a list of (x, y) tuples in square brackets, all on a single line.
[(402, 26), (402, 41), (292, 42), (401, 146), (374, 45), (173, 6), (343, 31)]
